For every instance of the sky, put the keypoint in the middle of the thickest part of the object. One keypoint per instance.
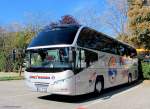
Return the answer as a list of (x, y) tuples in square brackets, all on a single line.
[(20, 11)]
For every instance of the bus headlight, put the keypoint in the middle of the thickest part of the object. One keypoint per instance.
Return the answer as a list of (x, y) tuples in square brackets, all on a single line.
[(63, 80), (59, 81)]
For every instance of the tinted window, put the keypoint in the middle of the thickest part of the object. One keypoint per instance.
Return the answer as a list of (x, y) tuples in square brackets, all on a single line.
[(125, 50), (84, 58), (108, 45), (133, 52), (86, 38), (121, 50), (90, 57), (94, 40), (54, 37)]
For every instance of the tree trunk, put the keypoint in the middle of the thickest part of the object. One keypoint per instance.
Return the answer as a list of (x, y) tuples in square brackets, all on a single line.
[(20, 70)]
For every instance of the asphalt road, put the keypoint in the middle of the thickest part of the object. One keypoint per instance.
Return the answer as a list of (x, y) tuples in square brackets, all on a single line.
[(15, 95)]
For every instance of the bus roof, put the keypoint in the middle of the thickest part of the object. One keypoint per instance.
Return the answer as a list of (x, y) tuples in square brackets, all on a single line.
[(62, 35)]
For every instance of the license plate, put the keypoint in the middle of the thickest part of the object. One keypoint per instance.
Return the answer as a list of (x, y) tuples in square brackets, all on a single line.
[(42, 89)]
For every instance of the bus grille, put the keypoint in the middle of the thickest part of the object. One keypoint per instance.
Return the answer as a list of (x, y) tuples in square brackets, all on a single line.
[(38, 84)]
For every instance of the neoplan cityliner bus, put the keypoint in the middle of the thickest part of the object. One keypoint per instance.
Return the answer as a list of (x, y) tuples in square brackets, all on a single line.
[(75, 60)]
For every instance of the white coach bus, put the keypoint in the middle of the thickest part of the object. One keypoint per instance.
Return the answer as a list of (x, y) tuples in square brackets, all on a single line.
[(75, 60)]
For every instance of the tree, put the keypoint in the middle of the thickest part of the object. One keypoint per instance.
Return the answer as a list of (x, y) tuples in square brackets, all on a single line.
[(16, 37), (1, 37), (12, 38), (139, 22), (115, 17), (2, 55), (68, 19), (123, 38), (90, 17)]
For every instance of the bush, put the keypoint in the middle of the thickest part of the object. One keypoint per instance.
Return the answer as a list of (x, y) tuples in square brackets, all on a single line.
[(146, 70)]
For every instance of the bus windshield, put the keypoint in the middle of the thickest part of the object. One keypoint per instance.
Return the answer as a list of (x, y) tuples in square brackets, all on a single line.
[(54, 37), (48, 60)]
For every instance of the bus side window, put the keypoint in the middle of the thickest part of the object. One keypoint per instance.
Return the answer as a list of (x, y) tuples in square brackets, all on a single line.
[(80, 59), (133, 53), (85, 58), (90, 57), (121, 50)]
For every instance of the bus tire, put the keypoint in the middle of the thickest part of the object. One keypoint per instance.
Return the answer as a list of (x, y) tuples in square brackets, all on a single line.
[(129, 78), (98, 86), (140, 73)]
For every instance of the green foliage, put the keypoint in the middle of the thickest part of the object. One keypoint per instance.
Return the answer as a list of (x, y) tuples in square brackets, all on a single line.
[(2, 61), (10, 41), (10, 78), (146, 70), (132, 40), (139, 22), (144, 37)]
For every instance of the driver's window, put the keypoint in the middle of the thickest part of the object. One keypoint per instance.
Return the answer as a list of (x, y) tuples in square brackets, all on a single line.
[(64, 55)]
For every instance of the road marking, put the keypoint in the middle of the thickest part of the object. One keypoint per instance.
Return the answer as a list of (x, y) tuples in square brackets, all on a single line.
[(81, 107), (103, 100)]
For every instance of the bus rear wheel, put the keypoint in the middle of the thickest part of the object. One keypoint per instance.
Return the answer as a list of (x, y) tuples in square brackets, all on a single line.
[(129, 78), (98, 86)]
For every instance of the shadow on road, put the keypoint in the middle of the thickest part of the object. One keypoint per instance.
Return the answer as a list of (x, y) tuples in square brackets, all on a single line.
[(106, 94)]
